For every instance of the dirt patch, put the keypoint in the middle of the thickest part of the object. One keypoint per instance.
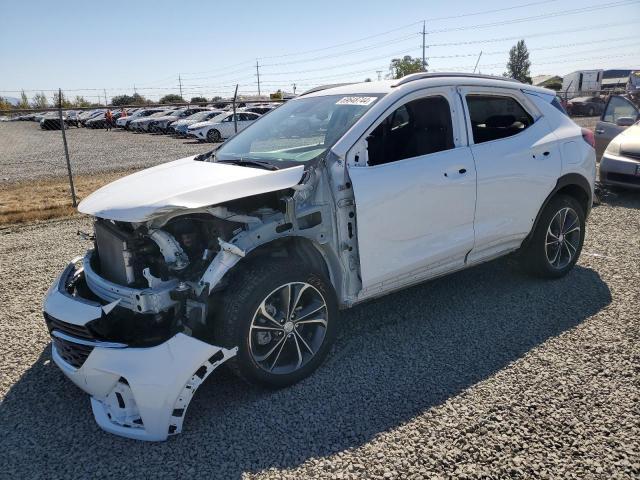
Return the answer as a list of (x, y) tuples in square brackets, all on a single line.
[(46, 199)]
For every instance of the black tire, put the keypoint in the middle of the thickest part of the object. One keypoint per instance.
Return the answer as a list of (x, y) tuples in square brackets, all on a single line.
[(537, 256), (213, 136), (254, 284)]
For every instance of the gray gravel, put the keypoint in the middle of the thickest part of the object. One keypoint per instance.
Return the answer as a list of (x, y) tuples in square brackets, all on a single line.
[(27, 152), (483, 373)]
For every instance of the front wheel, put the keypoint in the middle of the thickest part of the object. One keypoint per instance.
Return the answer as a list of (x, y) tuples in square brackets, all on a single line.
[(282, 318), (556, 243), (213, 136)]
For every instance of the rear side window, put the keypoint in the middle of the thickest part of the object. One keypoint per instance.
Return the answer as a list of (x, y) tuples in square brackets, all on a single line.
[(619, 107), (494, 117)]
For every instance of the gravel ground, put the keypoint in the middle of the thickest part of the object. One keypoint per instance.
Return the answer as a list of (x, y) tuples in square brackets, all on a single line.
[(485, 373), (27, 152)]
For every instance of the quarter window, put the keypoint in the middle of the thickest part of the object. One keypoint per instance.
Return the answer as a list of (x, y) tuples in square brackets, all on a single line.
[(416, 128), (494, 117), (619, 107)]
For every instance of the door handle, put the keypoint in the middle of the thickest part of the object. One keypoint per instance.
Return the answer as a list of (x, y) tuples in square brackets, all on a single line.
[(546, 154), (599, 130), (462, 171)]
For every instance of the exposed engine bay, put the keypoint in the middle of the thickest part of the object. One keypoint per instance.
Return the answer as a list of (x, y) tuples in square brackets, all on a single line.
[(149, 276)]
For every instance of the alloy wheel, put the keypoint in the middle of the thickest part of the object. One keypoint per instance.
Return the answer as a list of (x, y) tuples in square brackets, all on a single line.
[(563, 238), (288, 328)]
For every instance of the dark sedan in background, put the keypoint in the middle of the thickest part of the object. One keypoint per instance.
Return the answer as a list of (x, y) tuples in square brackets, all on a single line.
[(588, 106)]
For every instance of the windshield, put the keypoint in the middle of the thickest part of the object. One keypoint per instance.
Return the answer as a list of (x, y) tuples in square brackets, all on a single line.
[(299, 131)]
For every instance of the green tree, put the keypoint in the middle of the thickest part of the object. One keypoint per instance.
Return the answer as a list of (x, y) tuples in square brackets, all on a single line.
[(519, 64), (135, 99), (217, 98), (24, 101), (367, 79), (65, 103), (172, 98), (80, 101), (199, 100), (406, 65), (39, 101), (121, 100)]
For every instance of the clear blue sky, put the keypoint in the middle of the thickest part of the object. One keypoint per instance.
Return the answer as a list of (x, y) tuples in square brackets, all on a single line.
[(83, 45)]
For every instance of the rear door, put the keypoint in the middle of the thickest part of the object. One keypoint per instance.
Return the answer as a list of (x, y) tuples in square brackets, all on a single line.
[(606, 128), (517, 161)]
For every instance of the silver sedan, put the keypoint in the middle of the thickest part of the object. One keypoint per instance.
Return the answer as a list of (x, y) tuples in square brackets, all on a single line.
[(620, 164)]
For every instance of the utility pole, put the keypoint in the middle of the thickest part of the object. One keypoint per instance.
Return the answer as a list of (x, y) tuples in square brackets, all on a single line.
[(74, 202), (180, 83), (258, 75), (424, 46), (477, 62), (379, 72), (134, 89), (235, 117), (294, 88), (105, 96)]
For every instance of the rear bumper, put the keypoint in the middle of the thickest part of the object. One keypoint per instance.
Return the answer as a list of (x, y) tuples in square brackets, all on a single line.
[(139, 393), (619, 171)]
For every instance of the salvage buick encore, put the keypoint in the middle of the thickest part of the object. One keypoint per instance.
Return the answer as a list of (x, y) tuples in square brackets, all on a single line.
[(244, 255)]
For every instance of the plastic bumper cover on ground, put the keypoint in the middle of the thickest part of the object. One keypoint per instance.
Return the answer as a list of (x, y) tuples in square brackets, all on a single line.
[(139, 393)]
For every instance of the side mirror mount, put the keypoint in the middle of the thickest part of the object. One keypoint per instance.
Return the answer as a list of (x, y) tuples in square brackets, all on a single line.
[(625, 121)]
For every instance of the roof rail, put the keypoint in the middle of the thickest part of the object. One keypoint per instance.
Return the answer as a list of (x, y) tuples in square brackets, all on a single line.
[(324, 87), (422, 75)]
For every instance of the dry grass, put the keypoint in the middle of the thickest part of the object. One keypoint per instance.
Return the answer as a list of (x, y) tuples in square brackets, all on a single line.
[(46, 199)]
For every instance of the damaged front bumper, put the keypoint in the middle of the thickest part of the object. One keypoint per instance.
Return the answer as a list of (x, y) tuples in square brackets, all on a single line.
[(139, 393)]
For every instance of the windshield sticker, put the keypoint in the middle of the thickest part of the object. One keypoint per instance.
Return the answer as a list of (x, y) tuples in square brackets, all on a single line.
[(356, 100)]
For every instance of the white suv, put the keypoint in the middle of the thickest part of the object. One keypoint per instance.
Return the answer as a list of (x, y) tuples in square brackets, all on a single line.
[(245, 254)]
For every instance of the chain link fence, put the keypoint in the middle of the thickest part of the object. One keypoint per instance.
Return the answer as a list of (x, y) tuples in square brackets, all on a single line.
[(51, 158)]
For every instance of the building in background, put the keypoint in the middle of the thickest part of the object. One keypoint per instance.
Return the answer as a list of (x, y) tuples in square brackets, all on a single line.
[(581, 82)]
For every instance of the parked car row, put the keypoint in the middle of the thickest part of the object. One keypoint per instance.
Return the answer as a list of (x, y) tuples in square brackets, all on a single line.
[(206, 124)]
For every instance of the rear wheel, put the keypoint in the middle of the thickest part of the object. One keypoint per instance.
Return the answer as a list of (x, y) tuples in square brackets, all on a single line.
[(213, 136), (282, 318), (556, 243)]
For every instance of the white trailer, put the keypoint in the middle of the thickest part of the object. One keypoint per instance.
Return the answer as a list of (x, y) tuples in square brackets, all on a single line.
[(581, 82)]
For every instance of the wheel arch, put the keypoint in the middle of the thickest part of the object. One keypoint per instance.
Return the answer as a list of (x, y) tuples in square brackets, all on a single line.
[(573, 185), (314, 254)]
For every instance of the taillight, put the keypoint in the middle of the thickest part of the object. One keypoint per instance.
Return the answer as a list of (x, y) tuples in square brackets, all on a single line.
[(589, 137)]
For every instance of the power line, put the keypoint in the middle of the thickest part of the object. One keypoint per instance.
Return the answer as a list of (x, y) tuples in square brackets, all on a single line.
[(304, 52), (370, 59), (539, 17), (534, 35)]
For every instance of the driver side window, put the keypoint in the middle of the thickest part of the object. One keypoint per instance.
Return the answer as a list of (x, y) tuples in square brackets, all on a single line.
[(419, 127), (619, 107)]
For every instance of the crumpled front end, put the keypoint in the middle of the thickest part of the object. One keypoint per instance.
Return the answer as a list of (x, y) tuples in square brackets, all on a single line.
[(133, 321), (136, 392)]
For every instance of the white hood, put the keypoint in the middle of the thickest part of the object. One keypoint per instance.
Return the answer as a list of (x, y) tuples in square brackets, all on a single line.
[(183, 184)]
